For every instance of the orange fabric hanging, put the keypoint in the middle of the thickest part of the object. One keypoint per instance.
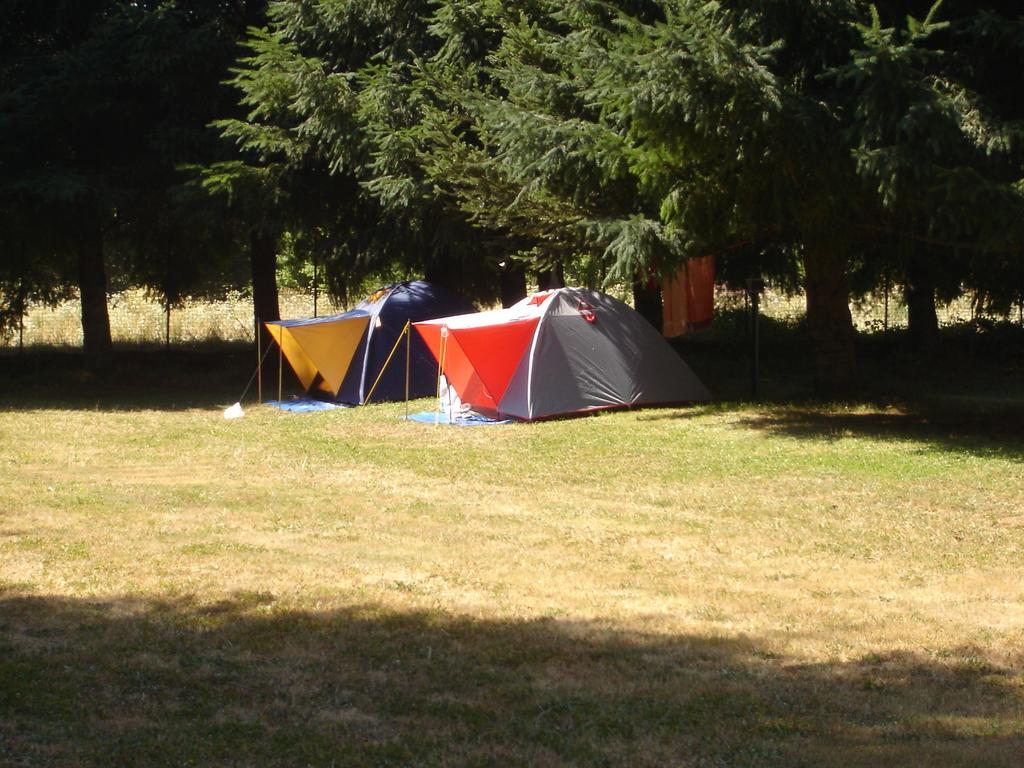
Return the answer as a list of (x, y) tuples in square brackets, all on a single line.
[(674, 317), (700, 283), (688, 297)]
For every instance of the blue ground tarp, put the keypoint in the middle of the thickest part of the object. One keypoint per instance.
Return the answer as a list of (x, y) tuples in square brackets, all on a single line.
[(304, 405), (428, 417)]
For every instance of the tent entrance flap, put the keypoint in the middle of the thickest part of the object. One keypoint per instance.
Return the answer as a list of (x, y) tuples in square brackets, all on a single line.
[(479, 361), (323, 349), (304, 368), (495, 352)]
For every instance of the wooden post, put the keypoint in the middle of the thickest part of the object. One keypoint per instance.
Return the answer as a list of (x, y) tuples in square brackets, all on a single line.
[(885, 319), (755, 372), (755, 286), (21, 319)]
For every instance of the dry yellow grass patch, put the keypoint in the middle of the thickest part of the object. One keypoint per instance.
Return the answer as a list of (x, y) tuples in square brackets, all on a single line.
[(701, 587)]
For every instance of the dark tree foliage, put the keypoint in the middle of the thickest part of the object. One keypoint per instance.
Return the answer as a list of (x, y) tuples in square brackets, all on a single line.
[(833, 145), (788, 138), (334, 111), (937, 147), (101, 102), (641, 134)]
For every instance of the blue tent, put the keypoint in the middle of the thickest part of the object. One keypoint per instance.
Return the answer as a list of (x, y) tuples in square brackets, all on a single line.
[(339, 357)]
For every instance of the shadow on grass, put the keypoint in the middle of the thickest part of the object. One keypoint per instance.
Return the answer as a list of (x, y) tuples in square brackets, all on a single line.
[(242, 682), (131, 379), (993, 431)]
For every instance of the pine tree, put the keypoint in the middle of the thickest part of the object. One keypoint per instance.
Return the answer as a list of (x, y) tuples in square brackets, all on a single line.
[(938, 157), (645, 133), (102, 101), (335, 117)]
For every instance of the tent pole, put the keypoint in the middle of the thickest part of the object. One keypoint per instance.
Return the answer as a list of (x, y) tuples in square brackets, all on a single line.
[(259, 362), (280, 363), (408, 342), (385, 366), (252, 378), (442, 348)]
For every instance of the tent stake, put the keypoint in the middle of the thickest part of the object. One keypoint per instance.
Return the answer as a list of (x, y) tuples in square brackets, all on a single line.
[(259, 362), (385, 366)]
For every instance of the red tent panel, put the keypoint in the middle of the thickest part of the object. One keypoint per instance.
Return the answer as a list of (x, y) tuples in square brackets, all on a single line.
[(457, 367), (495, 351), (479, 361)]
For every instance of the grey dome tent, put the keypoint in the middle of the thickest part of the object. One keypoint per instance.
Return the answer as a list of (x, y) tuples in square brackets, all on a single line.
[(570, 350)]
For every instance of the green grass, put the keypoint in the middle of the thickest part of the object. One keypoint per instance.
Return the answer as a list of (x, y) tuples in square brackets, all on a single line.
[(739, 584)]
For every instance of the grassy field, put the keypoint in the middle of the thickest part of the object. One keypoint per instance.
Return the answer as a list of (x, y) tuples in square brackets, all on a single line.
[(739, 584)]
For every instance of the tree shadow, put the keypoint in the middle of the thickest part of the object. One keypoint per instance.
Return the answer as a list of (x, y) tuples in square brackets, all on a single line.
[(995, 431), (245, 682), (133, 379)]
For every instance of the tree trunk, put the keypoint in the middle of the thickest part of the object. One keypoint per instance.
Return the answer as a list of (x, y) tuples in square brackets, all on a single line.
[(647, 301), (92, 289), (263, 260), (919, 293), (829, 321), (447, 272), (549, 279), (512, 283)]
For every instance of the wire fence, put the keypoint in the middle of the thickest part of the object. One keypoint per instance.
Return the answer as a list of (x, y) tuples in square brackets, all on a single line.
[(135, 318), (874, 312), (138, 319)]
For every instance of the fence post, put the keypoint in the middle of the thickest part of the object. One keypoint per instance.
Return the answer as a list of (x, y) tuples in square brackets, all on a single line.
[(885, 319), (755, 287), (21, 318), (316, 291)]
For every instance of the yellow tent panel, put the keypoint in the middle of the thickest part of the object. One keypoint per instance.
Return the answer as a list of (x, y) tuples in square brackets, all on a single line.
[(304, 368), (325, 348)]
